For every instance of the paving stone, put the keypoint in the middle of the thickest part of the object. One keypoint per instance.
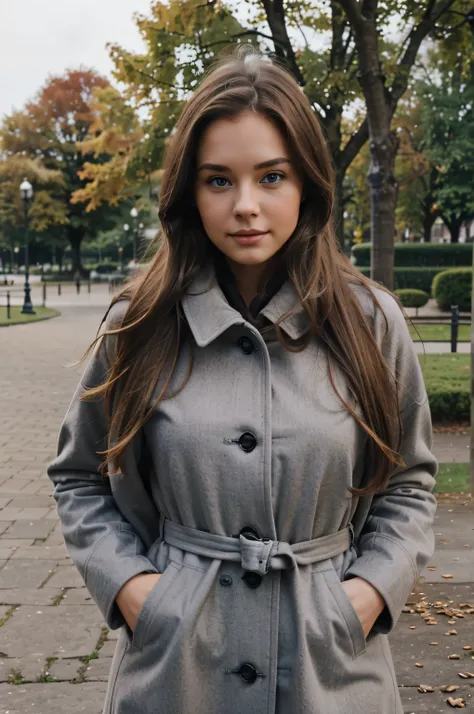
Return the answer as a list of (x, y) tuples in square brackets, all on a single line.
[(4, 525), (30, 668), (14, 542), (56, 698), (413, 646), (66, 576), (30, 502), (3, 611), (4, 502), (10, 514), (416, 703), (65, 670), (30, 529), (77, 596), (108, 648), (50, 631), (24, 573), (6, 553), (98, 670), (29, 596), (41, 552)]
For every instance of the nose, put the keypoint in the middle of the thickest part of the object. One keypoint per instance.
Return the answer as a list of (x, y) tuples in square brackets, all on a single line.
[(246, 203)]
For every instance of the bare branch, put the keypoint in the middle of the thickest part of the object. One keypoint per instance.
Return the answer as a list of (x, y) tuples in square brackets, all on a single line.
[(417, 35), (354, 145)]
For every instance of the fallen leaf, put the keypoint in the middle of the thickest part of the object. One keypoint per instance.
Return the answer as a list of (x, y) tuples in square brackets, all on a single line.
[(431, 568), (443, 540), (451, 632), (467, 647), (423, 688), (451, 622), (417, 664), (434, 643), (453, 656), (459, 703), (463, 675), (412, 627), (447, 576), (449, 687)]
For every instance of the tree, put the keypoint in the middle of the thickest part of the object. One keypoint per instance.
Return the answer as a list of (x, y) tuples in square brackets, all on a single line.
[(43, 212), (182, 39), (382, 98), (447, 120), (48, 130)]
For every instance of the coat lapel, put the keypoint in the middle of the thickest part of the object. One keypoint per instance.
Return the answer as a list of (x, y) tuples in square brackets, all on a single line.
[(209, 314)]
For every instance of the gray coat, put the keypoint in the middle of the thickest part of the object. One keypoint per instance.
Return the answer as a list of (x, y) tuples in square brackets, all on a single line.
[(236, 490)]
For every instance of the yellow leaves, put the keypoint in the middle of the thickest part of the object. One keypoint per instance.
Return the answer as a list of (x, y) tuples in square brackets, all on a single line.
[(106, 183)]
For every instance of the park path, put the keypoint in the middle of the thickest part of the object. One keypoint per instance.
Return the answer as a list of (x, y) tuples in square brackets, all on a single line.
[(45, 610)]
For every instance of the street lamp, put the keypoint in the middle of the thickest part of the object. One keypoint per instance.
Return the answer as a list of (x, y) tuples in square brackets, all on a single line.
[(26, 192), (134, 215)]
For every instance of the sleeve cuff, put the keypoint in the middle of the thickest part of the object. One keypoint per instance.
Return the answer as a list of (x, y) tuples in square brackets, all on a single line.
[(115, 560), (389, 568)]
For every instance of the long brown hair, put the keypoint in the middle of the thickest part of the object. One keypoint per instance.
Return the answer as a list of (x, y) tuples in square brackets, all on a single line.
[(151, 335)]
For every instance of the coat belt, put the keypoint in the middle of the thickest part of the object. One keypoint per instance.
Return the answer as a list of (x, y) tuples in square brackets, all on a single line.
[(258, 555)]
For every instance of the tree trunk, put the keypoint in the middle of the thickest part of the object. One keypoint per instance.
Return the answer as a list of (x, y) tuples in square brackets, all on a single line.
[(75, 238), (428, 220), (383, 196), (339, 210), (454, 228)]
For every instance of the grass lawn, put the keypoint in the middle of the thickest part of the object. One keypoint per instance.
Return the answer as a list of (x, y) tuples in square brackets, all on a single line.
[(428, 332), (452, 478), (450, 371), (42, 313)]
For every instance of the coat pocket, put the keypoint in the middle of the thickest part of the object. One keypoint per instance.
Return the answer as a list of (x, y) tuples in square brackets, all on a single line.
[(347, 611), (152, 609)]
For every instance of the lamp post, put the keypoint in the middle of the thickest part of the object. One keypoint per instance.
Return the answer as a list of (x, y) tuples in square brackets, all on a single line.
[(134, 215), (26, 192), (126, 228)]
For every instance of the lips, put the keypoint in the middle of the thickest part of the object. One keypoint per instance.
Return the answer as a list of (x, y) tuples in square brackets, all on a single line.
[(249, 233)]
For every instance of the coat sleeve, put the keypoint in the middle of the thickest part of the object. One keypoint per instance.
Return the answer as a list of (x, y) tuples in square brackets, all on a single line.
[(397, 539), (100, 541)]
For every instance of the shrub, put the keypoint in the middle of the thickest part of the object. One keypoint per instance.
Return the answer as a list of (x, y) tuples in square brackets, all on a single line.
[(420, 254), (411, 278), (453, 287), (412, 298), (447, 380)]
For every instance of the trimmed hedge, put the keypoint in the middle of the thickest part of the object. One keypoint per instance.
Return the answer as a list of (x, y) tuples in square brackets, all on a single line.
[(447, 379), (412, 298), (453, 287), (411, 278), (420, 254)]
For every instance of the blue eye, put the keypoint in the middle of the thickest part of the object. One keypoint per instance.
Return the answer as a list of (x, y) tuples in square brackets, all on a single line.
[(274, 173), (222, 178), (217, 178)]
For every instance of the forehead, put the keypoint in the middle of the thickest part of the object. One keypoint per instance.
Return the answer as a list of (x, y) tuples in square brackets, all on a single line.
[(248, 137)]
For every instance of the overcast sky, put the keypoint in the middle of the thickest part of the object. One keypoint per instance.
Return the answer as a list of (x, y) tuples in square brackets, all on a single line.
[(42, 37)]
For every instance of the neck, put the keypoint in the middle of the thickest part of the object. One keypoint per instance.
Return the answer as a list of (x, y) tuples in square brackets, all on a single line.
[(252, 279)]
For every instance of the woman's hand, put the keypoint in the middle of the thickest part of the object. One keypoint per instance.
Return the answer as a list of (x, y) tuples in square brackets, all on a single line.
[(366, 601), (133, 594)]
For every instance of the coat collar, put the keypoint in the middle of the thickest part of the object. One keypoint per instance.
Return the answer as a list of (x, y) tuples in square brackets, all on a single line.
[(209, 314)]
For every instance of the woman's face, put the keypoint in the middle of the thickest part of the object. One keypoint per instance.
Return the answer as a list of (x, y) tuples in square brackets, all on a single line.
[(233, 193)]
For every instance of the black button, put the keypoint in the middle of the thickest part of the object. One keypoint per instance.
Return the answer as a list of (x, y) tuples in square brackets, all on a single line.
[(248, 441), (225, 580), (248, 673), (246, 345), (249, 531), (253, 580)]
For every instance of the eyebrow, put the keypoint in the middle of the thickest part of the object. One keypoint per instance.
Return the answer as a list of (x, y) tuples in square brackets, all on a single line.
[(263, 165)]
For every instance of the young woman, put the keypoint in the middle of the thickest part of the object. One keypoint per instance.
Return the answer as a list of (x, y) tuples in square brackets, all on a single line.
[(244, 475)]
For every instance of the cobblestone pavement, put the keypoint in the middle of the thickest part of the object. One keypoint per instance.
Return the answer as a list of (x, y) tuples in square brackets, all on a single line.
[(55, 649)]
